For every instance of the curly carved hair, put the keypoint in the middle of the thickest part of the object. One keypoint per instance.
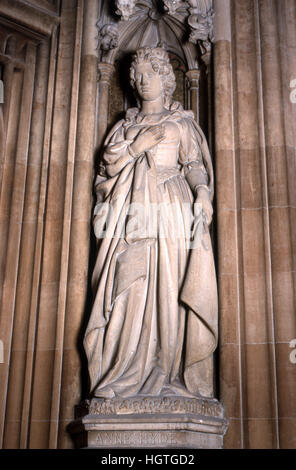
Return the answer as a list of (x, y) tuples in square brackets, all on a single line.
[(159, 59)]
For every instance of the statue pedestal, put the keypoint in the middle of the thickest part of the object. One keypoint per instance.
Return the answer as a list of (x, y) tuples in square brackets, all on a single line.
[(149, 422)]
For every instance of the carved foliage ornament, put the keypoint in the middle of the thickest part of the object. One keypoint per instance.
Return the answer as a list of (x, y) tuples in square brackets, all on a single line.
[(201, 22), (108, 37), (125, 8)]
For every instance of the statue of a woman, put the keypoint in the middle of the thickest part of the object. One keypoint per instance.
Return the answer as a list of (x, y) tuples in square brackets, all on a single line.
[(153, 326)]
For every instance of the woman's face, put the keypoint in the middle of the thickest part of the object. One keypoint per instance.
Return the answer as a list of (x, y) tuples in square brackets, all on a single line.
[(148, 82)]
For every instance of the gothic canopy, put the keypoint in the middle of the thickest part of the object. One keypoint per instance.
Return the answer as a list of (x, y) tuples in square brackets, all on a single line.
[(184, 26)]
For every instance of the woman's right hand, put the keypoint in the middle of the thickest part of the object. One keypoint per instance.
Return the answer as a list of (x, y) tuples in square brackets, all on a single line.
[(147, 139)]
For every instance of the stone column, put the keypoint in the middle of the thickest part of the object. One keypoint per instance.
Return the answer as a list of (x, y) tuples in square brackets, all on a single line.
[(208, 105), (278, 46), (105, 74), (49, 319), (254, 158), (80, 230), (2, 137), (193, 77), (260, 397), (9, 107), (228, 274), (13, 193), (63, 283), (285, 281), (19, 383)]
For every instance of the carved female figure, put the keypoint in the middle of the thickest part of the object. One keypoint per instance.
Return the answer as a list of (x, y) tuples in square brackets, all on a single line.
[(153, 326)]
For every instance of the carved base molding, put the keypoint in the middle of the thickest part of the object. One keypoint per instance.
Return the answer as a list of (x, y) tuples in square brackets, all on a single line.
[(149, 422)]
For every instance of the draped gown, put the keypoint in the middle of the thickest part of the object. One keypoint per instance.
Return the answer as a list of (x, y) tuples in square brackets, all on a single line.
[(154, 317)]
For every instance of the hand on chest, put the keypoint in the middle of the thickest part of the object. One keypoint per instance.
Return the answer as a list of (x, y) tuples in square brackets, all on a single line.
[(172, 132)]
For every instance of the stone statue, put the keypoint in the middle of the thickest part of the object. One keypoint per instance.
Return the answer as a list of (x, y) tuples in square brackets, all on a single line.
[(153, 326)]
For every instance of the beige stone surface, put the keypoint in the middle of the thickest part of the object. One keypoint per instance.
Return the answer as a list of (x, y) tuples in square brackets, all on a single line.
[(260, 434), (229, 377), (286, 375), (259, 380), (287, 428), (285, 320), (234, 436), (256, 75), (228, 301), (222, 23), (76, 248), (224, 138)]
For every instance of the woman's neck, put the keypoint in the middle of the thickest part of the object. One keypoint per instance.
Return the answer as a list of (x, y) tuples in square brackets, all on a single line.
[(153, 107)]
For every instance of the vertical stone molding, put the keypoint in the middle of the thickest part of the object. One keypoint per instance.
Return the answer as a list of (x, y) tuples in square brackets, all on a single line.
[(105, 74), (81, 203), (284, 298), (279, 164), (253, 148), (13, 194), (230, 350), (61, 331), (193, 86), (49, 320)]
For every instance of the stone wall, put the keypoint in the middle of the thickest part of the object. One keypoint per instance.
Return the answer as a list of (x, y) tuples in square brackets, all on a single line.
[(254, 62), (43, 55)]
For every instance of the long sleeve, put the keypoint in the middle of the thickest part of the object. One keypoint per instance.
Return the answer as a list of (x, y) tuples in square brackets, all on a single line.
[(191, 157), (116, 155)]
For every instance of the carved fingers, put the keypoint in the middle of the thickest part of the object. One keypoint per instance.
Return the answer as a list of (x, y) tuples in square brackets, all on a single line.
[(148, 138), (204, 199), (208, 210), (157, 134)]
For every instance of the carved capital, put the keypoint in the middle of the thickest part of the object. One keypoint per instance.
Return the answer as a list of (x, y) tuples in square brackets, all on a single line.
[(193, 78), (105, 72)]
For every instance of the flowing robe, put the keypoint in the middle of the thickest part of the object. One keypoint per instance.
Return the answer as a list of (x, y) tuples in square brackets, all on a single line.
[(154, 316)]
